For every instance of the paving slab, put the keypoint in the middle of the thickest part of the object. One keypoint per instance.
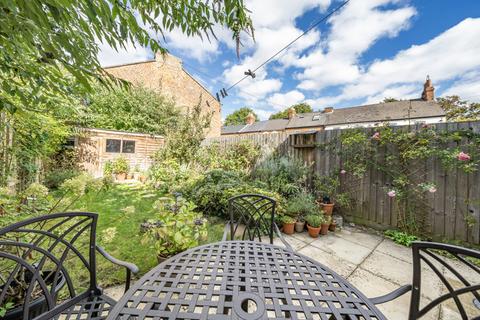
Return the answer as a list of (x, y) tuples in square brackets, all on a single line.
[(391, 248), (372, 285), (401, 273), (340, 266), (302, 236), (360, 237), (344, 249)]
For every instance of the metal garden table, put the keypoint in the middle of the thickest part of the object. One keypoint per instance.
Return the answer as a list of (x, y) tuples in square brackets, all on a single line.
[(243, 280)]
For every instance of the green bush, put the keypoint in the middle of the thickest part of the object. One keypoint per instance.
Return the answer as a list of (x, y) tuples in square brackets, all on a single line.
[(108, 168), (400, 237), (53, 179), (241, 156), (178, 228), (120, 165), (211, 193), (284, 175), (302, 204), (314, 220)]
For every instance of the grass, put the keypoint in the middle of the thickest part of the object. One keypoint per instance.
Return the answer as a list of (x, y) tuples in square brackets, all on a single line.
[(125, 207)]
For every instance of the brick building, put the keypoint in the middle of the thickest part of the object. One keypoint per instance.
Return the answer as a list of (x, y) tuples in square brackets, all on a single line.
[(165, 75)]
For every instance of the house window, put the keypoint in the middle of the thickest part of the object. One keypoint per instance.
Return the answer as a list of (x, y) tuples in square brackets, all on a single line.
[(113, 145), (128, 146)]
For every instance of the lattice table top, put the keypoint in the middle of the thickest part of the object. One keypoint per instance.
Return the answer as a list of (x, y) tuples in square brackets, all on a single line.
[(243, 280)]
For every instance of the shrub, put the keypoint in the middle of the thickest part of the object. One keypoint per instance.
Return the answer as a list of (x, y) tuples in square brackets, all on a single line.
[(314, 220), (120, 165), (108, 168), (402, 238), (211, 193), (169, 175), (178, 228), (54, 178), (284, 175), (287, 219), (302, 204)]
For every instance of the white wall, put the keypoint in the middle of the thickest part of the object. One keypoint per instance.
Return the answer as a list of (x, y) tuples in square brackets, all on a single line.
[(392, 123)]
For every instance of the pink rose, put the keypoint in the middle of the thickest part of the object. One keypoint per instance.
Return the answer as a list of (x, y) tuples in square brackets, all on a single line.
[(462, 156), (343, 171), (376, 136), (391, 193), (432, 190)]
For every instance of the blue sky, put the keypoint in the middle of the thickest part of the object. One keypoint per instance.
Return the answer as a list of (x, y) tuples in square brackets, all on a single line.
[(369, 50)]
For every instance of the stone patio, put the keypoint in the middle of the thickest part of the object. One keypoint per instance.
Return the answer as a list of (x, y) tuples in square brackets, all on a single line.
[(375, 265)]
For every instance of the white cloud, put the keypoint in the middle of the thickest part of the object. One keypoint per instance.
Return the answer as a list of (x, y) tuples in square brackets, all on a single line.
[(110, 57), (194, 47), (467, 87), (278, 100)]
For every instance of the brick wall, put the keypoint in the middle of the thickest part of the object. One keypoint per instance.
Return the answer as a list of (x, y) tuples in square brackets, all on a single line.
[(166, 75)]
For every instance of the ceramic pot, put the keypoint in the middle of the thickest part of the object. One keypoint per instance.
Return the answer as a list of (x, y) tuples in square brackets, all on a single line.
[(289, 228), (324, 229), (299, 226), (313, 232), (332, 226), (121, 176), (327, 208)]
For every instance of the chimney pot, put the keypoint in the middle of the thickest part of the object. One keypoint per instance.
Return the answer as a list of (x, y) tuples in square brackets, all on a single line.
[(328, 110), (250, 119), (291, 113), (428, 93)]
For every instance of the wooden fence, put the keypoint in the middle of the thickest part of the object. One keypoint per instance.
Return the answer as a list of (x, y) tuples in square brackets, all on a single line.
[(452, 212)]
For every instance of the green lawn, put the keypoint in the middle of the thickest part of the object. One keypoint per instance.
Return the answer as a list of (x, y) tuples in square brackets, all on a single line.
[(126, 207)]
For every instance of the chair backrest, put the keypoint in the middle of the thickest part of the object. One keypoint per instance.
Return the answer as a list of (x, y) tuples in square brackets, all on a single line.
[(252, 216), (46, 257), (459, 276)]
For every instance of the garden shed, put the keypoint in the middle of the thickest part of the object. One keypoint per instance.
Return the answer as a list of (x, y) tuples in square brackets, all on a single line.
[(98, 146)]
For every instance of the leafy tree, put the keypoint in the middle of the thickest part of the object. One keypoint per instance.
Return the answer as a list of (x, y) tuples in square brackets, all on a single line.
[(239, 116), (299, 108), (135, 110), (49, 47), (459, 110)]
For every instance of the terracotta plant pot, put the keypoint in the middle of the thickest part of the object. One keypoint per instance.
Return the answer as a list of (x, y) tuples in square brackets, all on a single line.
[(324, 229), (327, 208), (142, 178), (121, 176), (313, 232), (288, 228), (299, 226), (332, 226)]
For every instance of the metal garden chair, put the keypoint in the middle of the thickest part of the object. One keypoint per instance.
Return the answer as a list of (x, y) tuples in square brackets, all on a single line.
[(44, 265), (252, 216), (462, 291)]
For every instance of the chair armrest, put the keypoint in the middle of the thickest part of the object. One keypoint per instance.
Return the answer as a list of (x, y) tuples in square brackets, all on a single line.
[(279, 234), (226, 230), (130, 266), (392, 295)]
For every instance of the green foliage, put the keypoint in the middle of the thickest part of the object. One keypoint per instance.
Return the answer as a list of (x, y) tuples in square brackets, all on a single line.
[(50, 48), (326, 186), (389, 99), (181, 228), (120, 165), (400, 237), (183, 141), (459, 110), (239, 116), (287, 219), (60, 167), (284, 175), (108, 168), (302, 204), (241, 156), (136, 110), (314, 220), (211, 193), (299, 108), (4, 308)]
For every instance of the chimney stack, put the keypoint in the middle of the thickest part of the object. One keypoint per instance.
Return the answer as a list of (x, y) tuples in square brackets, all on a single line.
[(428, 93), (291, 113), (328, 110), (250, 119)]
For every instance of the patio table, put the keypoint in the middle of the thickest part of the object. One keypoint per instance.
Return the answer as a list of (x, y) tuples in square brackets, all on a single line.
[(243, 280)]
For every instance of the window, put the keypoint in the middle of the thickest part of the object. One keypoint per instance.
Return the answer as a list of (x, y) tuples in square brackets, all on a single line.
[(128, 146), (113, 145), (70, 143)]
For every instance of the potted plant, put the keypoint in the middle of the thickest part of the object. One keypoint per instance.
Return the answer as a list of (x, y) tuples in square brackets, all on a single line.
[(288, 224), (325, 187), (120, 168), (314, 222), (301, 205), (326, 219), (136, 172), (333, 225), (300, 224)]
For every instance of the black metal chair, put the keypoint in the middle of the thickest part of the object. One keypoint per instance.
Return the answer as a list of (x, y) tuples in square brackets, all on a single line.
[(429, 254), (255, 214), (45, 263)]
